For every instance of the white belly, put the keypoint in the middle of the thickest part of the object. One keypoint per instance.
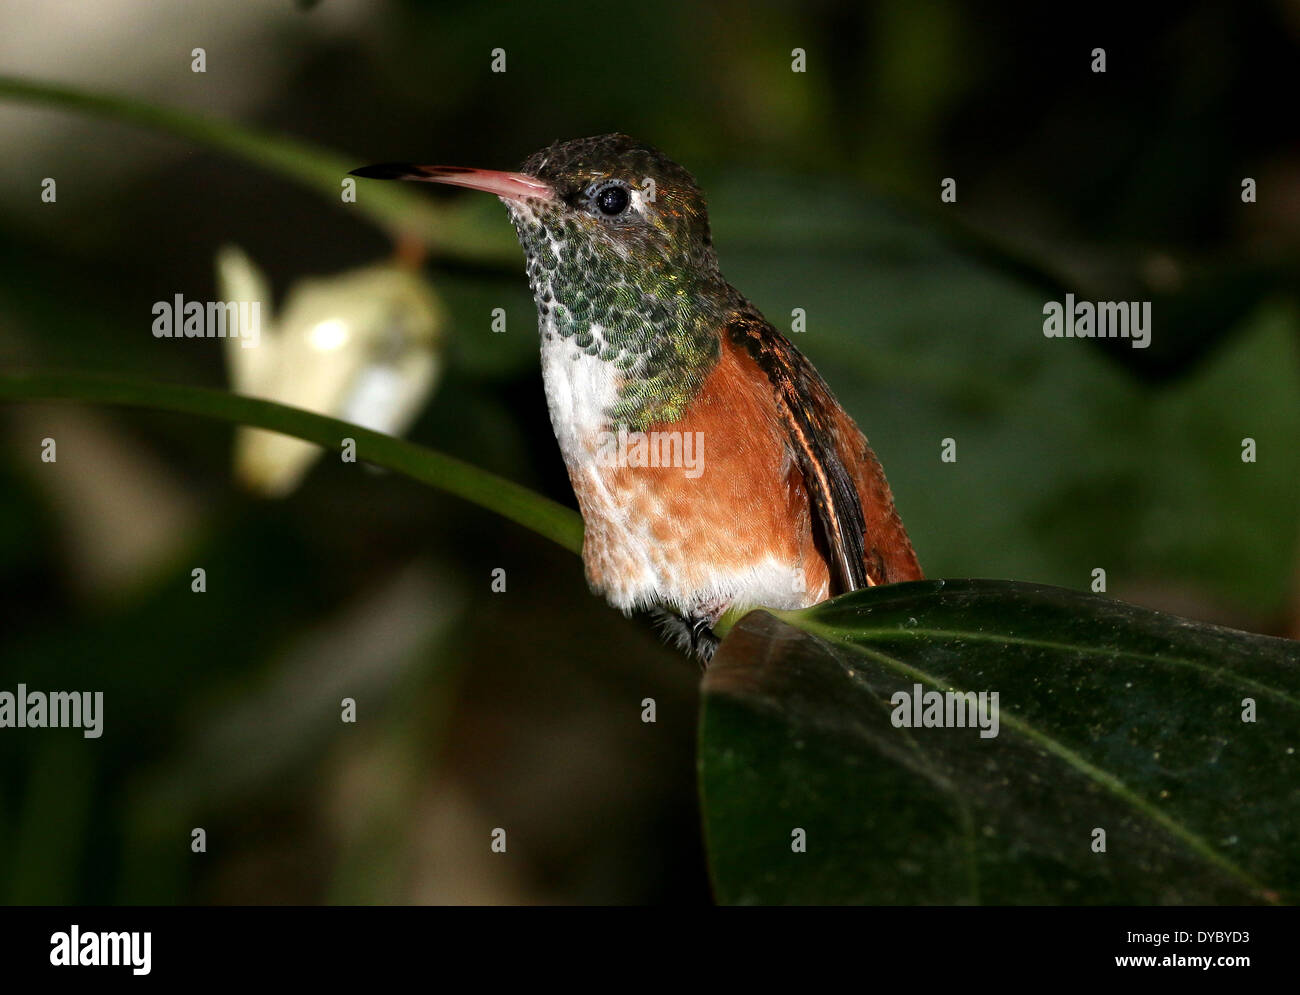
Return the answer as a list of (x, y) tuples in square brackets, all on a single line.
[(580, 390)]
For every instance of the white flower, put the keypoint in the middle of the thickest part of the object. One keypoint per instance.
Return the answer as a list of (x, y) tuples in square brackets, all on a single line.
[(363, 346)]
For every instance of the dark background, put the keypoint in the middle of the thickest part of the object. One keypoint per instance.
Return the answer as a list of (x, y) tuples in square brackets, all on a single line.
[(522, 710)]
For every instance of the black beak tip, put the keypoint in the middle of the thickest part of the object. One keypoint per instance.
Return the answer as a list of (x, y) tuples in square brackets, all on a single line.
[(386, 171)]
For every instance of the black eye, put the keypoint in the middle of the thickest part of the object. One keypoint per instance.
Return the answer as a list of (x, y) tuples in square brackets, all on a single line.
[(612, 200)]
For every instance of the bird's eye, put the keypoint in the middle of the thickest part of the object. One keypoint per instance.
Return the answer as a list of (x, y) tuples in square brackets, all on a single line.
[(612, 200)]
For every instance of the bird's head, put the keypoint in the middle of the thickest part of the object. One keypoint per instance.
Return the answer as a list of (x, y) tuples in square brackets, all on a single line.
[(619, 255), (607, 196)]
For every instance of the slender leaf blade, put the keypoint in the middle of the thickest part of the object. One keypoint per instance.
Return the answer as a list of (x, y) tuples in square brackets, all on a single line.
[(510, 500)]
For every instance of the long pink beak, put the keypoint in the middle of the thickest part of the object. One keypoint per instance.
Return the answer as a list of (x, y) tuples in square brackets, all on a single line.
[(512, 186)]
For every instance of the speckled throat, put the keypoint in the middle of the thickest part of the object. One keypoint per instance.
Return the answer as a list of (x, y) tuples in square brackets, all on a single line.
[(642, 293), (658, 324)]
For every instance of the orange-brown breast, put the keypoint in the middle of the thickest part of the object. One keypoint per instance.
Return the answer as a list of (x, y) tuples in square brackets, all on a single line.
[(748, 507), (747, 504)]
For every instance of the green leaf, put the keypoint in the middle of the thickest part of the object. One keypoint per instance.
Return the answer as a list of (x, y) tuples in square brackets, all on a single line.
[(1110, 716), (462, 230), (545, 517)]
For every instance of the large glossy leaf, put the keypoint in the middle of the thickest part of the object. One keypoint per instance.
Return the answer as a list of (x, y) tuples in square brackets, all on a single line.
[(1111, 717)]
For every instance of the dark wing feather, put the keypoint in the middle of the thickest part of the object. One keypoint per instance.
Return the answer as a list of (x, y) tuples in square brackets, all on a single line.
[(806, 406)]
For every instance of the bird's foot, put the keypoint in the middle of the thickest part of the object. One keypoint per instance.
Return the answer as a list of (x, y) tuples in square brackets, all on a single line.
[(692, 632)]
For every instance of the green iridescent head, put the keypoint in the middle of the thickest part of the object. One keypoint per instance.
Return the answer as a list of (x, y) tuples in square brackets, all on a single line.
[(620, 260), (619, 198)]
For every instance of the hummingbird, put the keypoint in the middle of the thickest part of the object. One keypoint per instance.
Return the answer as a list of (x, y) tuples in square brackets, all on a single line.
[(714, 469)]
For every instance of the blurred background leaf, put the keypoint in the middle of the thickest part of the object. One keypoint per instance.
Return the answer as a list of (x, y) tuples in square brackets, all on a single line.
[(397, 209)]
